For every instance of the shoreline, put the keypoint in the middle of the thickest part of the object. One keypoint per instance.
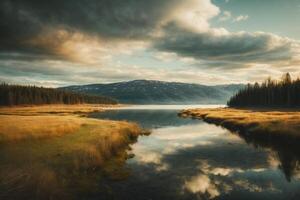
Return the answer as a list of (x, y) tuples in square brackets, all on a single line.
[(58, 146), (56, 108), (31, 120), (283, 124)]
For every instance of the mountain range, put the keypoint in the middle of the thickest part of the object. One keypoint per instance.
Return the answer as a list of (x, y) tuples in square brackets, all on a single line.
[(160, 92)]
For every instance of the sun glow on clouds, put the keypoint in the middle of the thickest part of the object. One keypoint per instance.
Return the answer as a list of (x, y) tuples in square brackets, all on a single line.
[(93, 49), (195, 14), (81, 48), (184, 44)]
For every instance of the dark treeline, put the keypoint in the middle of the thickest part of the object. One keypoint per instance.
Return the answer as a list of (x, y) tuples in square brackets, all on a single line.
[(11, 95), (271, 93)]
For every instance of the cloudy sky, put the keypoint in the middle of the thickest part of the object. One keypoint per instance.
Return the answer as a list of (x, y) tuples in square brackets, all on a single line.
[(63, 42)]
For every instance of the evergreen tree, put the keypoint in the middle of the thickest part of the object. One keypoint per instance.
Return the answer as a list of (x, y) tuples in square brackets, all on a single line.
[(284, 93), (11, 95)]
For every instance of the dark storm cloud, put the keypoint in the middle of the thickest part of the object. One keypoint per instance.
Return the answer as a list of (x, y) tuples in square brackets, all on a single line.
[(37, 29), (23, 20), (217, 45)]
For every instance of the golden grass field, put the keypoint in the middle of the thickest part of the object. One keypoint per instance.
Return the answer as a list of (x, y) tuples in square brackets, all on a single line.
[(281, 122), (59, 109), (53, 152), (43, 121)]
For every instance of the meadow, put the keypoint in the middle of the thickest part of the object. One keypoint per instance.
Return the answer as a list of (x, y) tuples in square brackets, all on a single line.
[(55, 152)]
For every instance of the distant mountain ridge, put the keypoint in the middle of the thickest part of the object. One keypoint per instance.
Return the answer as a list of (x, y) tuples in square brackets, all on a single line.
[(160, 92)]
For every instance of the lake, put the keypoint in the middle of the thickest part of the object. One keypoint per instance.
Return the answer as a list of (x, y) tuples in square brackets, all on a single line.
[(190, 159)]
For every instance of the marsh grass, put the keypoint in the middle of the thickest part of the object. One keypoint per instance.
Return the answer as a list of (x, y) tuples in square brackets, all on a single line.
[(14, 127), (58, 109), (61, 157), (33, 122), (285, 123)]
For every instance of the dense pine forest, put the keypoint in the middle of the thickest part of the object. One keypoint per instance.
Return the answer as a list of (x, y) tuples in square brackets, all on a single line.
[(271, 93), (11, 95)]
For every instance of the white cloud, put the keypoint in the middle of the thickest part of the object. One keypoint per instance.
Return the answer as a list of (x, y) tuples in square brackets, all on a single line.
[(240, 18), (202, 184), (213, 181), (146, 156), (194, 14)]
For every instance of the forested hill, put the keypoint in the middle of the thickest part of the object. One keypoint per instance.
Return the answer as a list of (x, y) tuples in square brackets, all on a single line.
[(11, 95), (271, 93), (160, 92)]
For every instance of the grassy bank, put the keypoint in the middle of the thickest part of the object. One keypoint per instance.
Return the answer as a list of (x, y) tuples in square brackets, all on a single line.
[(53, 152), (57, 109), (18, 123), (275, 130), (281, 123)]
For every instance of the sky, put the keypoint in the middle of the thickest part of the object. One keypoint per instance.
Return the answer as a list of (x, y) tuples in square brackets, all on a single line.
[(66, 42)]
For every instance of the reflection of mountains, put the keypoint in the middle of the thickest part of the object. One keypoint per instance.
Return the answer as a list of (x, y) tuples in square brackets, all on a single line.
[(287, 150), (146, 118)]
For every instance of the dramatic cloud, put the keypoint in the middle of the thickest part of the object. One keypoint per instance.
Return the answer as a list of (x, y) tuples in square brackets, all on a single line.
[(61, 40), (66, 28), (35, 27), (221, 45)]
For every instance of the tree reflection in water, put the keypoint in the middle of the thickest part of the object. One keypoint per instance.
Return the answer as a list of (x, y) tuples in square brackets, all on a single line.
[(191, 159), (286, 150)]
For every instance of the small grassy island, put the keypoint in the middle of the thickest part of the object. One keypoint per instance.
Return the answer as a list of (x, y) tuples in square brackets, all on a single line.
[(270, 109)]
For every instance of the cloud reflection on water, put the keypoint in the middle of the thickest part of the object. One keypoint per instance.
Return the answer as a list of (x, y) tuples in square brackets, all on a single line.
[(211, 177), (202, 184), (210, 182), (195, 160)]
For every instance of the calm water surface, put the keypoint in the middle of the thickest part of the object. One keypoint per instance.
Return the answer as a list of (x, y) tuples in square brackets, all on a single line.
[(190, 159)]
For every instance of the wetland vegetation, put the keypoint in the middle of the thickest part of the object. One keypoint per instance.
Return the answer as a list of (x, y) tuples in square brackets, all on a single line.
[(61, 154)]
